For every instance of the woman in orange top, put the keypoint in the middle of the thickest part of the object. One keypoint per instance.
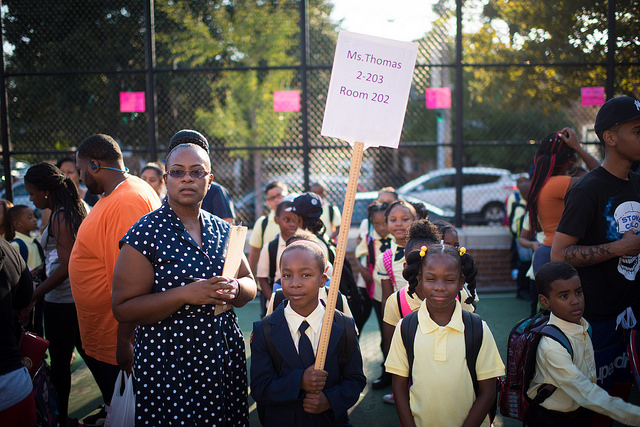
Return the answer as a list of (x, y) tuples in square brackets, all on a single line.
[(549, 184)]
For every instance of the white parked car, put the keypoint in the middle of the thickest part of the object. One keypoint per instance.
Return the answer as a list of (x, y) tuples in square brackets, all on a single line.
[(21, 197), (484, 191)]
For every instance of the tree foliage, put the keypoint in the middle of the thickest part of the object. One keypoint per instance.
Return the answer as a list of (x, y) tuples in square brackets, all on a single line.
[(106, 38)]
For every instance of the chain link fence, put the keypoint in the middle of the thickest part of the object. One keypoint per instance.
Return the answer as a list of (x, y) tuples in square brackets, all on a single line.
[(215, 66)]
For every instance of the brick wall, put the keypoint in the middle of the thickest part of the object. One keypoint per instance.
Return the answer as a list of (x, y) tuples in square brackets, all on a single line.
[(494, 270)]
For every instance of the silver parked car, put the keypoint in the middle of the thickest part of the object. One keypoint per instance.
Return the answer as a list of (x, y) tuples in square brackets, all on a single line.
[(484, 191)]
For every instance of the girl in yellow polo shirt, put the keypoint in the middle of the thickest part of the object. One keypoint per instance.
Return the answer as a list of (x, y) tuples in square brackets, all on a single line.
[(441, 393)]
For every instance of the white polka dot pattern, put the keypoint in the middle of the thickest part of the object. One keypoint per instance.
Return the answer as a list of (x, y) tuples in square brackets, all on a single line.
[(190, 368)]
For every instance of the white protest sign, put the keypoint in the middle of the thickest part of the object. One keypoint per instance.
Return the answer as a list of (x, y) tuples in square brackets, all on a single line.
[(369, 89)]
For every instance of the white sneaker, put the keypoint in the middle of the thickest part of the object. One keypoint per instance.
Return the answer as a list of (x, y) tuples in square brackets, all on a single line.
[(388, 398)]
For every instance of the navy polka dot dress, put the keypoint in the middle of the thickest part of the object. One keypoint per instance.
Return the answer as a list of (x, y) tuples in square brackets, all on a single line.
[(190, 369)]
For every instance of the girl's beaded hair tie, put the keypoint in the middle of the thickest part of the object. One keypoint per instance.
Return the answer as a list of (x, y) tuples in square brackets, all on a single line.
[(463, 250), (423, 251)]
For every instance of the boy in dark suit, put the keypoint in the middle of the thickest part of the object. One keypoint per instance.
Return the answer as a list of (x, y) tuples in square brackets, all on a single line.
[(284, 383)]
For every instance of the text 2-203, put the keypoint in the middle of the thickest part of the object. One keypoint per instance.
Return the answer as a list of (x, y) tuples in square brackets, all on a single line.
[(369, 77)]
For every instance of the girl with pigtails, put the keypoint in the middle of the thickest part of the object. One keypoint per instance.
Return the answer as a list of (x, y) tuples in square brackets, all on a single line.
[(439, 388), (409, 298)]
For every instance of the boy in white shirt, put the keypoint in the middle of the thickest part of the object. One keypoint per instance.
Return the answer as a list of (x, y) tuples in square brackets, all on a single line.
[(576, 394)]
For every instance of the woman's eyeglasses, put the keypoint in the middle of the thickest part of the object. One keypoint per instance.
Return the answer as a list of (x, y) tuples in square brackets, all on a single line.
[(195, 174)]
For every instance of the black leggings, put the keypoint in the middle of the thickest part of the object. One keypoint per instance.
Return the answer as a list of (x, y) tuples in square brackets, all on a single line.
[(61, 329), (538, 416), (105, 375)]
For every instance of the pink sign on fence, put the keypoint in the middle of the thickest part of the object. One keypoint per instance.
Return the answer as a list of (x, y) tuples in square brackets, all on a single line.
[(132, 102), (438, 98), (286, 100), (592, 95)]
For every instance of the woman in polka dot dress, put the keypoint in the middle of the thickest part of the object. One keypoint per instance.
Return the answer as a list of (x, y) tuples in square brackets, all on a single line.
[(190, 365)]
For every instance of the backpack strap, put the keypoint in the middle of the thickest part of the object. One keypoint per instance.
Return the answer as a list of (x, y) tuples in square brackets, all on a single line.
[(278, 297), (331, 214), (24, 251), (273, 259), (556, 334), (347, 342), (472, 340), (265, 222), (472, 343), (275, 356), (371, 252), (40, 249), (403, 303), (408, 329), (339, 301), (387, 260)]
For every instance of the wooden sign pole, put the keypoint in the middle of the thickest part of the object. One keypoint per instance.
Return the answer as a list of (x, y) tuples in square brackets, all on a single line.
[(343, 236)]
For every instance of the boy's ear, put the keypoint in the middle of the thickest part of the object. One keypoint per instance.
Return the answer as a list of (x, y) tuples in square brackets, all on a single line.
[(276, 219), (323, 281), (610, 138), (544, 301)]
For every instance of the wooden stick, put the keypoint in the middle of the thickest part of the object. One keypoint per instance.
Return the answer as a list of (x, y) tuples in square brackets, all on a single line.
[(237, 237), (343, 236)]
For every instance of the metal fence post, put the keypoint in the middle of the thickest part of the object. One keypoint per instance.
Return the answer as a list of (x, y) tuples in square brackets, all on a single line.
[(303, 93), (4, 121), (459, 115), (151, 99), (611, 48)]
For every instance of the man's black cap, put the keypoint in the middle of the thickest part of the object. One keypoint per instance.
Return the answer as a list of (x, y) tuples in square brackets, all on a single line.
[(615, 111)]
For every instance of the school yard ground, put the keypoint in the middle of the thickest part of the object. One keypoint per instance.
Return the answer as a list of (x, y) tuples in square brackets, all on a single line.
[(500, 311)]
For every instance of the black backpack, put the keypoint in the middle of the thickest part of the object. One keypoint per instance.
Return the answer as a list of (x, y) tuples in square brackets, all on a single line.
[(521, 364), (472, 343), (272, 249), (472, 340)]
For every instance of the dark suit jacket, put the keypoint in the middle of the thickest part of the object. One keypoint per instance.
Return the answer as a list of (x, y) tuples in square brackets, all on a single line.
[(281, 394)]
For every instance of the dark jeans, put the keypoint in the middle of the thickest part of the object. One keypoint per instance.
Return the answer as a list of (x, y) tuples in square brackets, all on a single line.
[(61, 329), (105, 375), (538, 416)]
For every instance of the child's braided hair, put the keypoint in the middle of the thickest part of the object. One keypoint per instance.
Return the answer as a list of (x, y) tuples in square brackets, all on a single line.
[(469, 268), (374, 208), (470, 273), (420, 233)]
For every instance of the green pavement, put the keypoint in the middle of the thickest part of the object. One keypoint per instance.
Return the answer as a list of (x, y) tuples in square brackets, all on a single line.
[(500, 311)]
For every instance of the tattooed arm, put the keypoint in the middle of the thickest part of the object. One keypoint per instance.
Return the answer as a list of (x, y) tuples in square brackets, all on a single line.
[(565, 249)]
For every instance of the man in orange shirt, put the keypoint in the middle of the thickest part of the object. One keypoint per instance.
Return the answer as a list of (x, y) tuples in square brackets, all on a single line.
[(125, 199)]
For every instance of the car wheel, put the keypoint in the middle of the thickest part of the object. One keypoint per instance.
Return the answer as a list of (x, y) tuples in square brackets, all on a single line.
[(493, 213)]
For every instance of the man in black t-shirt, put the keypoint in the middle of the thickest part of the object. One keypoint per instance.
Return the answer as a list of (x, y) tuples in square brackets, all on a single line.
[(598, 234)]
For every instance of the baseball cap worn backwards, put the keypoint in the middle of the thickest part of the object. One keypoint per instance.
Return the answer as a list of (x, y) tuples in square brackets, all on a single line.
[(616, 111), (188, 136), (308, 205)]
